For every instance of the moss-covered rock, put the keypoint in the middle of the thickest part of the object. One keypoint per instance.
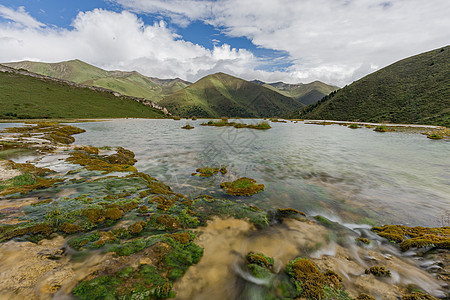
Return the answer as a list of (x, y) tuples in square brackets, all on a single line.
[(364, 297), (242, 187), (259, 259), (415, 237), (378, 271), (363, 241), (418, 296)]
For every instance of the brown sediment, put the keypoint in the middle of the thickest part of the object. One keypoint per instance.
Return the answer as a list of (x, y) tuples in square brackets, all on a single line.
[(33, 271), (227, 242), (7, 171)]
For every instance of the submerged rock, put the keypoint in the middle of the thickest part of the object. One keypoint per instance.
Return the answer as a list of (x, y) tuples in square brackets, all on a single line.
[(242, 187)]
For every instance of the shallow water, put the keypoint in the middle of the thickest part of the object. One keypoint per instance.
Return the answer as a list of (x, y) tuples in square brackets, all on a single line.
[(346, 174), (352, 176)]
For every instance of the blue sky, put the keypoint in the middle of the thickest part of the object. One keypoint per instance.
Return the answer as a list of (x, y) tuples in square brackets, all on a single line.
[(334, 41)]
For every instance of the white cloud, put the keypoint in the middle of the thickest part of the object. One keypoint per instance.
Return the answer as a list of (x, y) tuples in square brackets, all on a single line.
[(335, 41), (331, 40), (121, 41), (19, 17)]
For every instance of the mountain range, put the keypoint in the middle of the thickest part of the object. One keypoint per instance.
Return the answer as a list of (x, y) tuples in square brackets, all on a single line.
[(220, 94), (212, 96), (306, 93), (126, 83), (26, 95), (415, 90)]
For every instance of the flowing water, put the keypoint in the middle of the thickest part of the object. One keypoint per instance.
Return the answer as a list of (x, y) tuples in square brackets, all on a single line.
[(352, 175), (355, 177)]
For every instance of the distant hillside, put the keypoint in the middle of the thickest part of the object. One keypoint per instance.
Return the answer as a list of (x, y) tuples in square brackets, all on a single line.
[(414, 90), (220, 94), (306, 93), (30, 96), (126, 83)]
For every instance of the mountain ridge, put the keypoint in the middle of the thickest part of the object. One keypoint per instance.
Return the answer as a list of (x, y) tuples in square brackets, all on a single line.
[(130, 83), (414, 90), (307, 93), (24, 94), (220, 94)]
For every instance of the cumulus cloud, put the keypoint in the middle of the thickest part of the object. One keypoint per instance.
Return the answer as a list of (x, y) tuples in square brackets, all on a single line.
[(330, 40), (122, 41), (335, 41)]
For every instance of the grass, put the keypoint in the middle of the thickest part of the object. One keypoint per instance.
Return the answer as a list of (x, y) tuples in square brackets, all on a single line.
[(220, 94), (25, 97), (414, 90), (305, 93), (126, 83)]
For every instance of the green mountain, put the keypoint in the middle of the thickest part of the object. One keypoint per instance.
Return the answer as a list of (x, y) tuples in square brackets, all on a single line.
[(306, 93), (415, 90), (25, 95), (220, 94), (126, 83)]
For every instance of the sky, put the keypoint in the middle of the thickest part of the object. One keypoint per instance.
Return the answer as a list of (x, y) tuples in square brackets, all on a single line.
[(294, 41)]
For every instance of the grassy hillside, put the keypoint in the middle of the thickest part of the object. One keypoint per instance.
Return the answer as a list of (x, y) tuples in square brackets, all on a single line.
[(24, 96), (224, 95), (307, 93), (126, 83), (414, 90)]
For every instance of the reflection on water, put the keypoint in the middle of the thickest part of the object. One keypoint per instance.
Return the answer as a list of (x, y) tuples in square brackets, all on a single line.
[(356, 175)]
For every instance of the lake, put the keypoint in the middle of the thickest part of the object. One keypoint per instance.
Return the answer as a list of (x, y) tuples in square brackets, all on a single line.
[(348, 175)]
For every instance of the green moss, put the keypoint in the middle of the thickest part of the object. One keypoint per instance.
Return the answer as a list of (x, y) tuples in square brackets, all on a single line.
[(415, 237), (167, 222), (259, 271), (353, 126), (206, 172), (259, 259), (187, 126), (332, 279), (382, 128), (113, 213), (137, 227), (364, 297), (242, 187), (181, 257), (182, 237), (264, 125), (324, 220), (418, 296), (302, 268), (122, 161), (426, 241), (310, 283), (223, 170), (143, 209), (41, 229), (71, 228), (98, 288), (83, 240), (289, 213), (163, 202), (363, 240), (129, 248), (378, 271)]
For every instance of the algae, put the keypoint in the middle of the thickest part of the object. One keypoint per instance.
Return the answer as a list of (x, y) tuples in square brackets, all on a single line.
[(378, 271), (415, 237), (242, 187)]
